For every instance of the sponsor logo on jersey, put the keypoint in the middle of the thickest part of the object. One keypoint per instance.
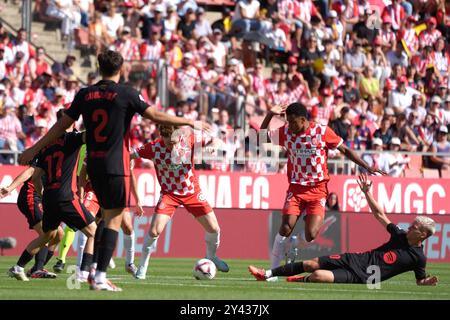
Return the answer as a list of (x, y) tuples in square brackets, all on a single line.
[(390, 257)]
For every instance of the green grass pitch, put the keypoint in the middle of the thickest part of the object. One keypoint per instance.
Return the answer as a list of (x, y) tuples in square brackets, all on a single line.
[(172, 279)]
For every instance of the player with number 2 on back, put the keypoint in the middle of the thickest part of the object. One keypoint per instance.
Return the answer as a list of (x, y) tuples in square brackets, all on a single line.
[(107, 108), (307, 144)]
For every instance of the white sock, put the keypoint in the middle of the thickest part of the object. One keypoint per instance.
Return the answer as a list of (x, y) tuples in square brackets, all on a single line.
[(94, 265), (268, 273), (100, 276), (212, 243), (278, 250), (147, 249), (81, 243), (128, 243), (85, 274)]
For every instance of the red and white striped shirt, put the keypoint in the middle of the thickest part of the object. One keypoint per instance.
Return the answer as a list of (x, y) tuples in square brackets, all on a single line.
[(186, 79), (427, 38), (307, 152), (397, 15), (10, 126), (388, 37), (151, 51), (284, 7), (410, 38), (303, 10), (128, 48), (277, 98)]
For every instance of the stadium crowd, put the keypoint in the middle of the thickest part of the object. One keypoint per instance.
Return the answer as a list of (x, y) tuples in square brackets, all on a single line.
[(379, 78)]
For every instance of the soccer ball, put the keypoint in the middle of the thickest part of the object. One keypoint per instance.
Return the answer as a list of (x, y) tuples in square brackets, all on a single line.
[(204, 269)]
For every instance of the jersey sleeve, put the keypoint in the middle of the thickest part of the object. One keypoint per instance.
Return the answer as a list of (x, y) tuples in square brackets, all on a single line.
[(146, 151), (394, 230), (332, 140), (38, 161), (75, 108), (419, 271), (138, 103), (278, 136)]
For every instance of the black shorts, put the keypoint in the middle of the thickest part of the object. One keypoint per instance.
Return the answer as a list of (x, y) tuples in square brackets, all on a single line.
[(31, 207), (341, 267), (72, 213), (113, 192)]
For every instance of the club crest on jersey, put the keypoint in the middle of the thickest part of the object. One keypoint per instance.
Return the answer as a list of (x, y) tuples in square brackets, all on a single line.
[(323, 201), (201, 197)]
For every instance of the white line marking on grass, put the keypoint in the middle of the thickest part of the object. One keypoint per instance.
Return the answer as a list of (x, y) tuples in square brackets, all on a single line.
[(287, 288)]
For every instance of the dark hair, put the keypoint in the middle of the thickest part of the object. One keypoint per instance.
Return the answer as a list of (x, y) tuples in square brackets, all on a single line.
[(297, 109), (336, 206), (109, 62)]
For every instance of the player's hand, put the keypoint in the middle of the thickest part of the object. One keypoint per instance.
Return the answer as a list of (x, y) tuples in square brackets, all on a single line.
[(27, 156), (4, 192), (201, 125), (374, 171), (278, 110), (139, 210), (364, 183)]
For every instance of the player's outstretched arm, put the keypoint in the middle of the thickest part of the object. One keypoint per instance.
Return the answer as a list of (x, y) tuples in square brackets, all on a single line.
[(377, 211), (164, 118), (428, 281), (353, 156), (54, 133), (37, 180), (21, 178)]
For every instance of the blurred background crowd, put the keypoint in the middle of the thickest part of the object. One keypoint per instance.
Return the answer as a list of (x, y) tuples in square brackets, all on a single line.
[(377, 72)]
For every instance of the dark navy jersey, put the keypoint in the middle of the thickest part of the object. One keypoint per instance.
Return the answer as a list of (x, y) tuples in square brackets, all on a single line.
[(107, 109), (28, 190), (59, 162), (394, 257)]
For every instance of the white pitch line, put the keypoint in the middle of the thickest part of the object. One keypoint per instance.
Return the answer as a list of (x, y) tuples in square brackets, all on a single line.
[(286, 288)]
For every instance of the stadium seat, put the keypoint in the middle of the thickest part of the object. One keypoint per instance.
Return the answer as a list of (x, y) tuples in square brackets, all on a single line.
[(415, 162), (413, 173), (430, 173), (445, 174)]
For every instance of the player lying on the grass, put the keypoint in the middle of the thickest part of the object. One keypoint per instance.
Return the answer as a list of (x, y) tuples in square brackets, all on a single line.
[(402, 253), (307, 144), (60, 202), (29, 203), (90, 200), (173, 157)]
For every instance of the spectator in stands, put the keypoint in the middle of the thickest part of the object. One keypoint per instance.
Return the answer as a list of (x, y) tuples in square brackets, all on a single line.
[(38, 65), (11, 134), (385, 131), (113, 21), (187, 25), (20, 44), (131, 18), (396, 162), (98, 34), (39, 131), (64, 70), (18, 69), (401, 98), (67, 13), (369, 86), (171, 22), (307, 58), (441, 145), (186, 80), (430, 35), (223, 24), (416, 107), (374, 159), (427, 131), (87, 11), (202, 25), (342, 124), (349, 91), (402, 131), (356, 60), (364, 29)]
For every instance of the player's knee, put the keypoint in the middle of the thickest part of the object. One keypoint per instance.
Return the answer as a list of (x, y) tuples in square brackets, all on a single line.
[(310, 266), (311, 234), (127, 229), (154, 232)]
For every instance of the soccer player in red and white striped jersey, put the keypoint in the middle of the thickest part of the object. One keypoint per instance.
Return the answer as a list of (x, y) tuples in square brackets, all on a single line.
[(307, 144), (173, 157)]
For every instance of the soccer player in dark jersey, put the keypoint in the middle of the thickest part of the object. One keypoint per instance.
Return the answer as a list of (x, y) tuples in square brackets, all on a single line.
[(107, 108), (29, 203), (402, 253), (60, 201)]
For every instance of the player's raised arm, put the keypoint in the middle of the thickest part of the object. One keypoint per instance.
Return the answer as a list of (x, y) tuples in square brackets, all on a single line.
[(274, 111), (377, 211), (353, 156), (164, 118), (21, 178), (54, 133)]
